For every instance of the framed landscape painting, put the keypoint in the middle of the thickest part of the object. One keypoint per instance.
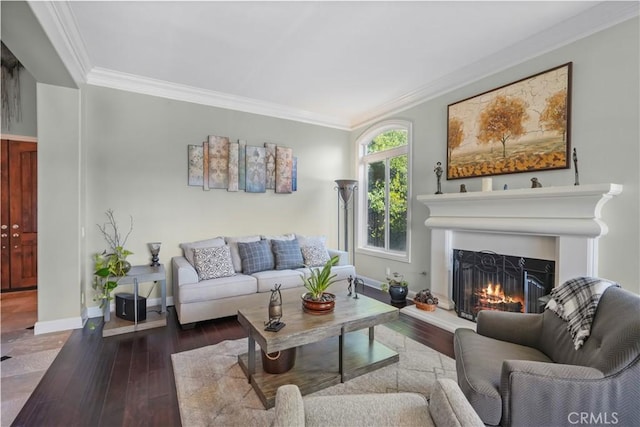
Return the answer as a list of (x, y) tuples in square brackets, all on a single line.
[(520, 127)]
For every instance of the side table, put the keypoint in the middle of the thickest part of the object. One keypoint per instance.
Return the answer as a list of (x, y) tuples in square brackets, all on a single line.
[(156, 316)]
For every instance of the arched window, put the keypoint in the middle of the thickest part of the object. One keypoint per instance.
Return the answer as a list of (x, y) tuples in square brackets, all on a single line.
[(384, 172)]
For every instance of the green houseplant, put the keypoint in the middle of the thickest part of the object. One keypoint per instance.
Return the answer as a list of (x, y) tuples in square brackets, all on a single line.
[(397, 287), (109, 266), (316, 299)]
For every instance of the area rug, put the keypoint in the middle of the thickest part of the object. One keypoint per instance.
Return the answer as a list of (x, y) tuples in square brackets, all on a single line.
[(213, 390)]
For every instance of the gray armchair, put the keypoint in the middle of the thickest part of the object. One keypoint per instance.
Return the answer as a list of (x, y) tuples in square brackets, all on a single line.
[(447, 407), (522, 369)]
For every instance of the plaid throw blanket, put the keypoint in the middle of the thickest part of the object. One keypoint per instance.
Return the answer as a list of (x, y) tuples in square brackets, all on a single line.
[(576, 302)]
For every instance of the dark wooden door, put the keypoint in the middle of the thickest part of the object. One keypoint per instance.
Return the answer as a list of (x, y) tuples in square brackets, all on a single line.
[(19, 212)]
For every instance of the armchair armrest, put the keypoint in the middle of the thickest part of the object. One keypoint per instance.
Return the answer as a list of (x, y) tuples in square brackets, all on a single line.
[(183, 271), (343, 256), (517, 328), (568, 388), (449, 407), (289, 407)]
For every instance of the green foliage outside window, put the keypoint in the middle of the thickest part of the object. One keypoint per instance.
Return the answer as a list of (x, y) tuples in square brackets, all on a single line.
[(398, 185)]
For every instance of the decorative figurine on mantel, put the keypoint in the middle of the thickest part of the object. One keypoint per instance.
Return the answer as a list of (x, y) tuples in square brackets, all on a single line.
[(275, 310), (575, 164), (438, 171), (463, 188), (535, 183)]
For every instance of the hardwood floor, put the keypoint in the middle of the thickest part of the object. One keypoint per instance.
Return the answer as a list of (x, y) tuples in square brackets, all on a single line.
[(128, 379)]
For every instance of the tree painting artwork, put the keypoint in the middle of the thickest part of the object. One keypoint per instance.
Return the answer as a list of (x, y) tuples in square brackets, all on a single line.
[(521, 127)]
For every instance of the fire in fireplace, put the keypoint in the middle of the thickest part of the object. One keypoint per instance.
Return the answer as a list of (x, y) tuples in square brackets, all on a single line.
[(489, 281)]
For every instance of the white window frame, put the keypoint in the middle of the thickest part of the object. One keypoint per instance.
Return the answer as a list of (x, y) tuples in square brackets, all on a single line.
[(363, 159)]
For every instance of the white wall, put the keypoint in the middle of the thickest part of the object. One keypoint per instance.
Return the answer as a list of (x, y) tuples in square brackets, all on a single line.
[(605, 132), (137, 165)]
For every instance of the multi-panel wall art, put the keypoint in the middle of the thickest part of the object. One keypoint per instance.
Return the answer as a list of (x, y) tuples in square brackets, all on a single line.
[(236, 166)]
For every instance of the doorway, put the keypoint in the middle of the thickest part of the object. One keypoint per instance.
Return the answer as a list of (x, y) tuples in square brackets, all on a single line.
[(19, 215)]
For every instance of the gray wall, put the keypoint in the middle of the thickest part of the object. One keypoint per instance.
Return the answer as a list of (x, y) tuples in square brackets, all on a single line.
[(27, 126), (136, 164), (59, 208), (102, 148), (605, 132)]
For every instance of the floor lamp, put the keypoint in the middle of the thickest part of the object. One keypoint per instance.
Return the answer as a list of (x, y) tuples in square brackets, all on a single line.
[(346, 188)]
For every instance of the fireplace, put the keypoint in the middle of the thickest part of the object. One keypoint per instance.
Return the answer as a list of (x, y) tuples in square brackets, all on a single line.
[(563, 224), (485, 280)]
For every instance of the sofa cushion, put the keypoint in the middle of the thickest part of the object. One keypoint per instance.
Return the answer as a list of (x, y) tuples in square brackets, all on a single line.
[(289, 236), (479, 367), (342, 272), (213, 289), (233, 245), (212, 263), (315, 255), (286, 278), (187, 248), (311, 240), (256, 256), (287, 254)]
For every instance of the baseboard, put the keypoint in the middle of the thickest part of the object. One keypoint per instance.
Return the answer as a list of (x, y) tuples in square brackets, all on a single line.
[(58, 325)]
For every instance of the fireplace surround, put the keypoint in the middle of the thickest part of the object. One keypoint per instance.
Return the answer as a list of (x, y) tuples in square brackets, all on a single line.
[(562, 224)]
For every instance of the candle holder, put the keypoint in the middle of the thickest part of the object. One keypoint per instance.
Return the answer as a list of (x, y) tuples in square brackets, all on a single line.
[(154, 248)]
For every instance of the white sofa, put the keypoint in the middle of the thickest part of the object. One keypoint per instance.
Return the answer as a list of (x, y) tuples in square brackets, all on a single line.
[(196, 300)]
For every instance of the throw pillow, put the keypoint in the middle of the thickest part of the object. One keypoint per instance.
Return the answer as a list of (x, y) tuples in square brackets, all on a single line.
[(255, 256), (315, 255), (311, 240), (235, 255), (287, 254), (212, 263), (187, 248)]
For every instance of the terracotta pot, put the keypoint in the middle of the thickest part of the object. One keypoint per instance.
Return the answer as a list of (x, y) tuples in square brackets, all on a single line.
[(319, 307)]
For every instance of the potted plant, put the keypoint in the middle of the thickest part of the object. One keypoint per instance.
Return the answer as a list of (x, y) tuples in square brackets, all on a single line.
[(397, 288), (425, 300), (110, 266), (316, 300)]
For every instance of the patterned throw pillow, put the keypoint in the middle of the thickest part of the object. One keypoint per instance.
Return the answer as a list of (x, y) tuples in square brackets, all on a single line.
[(287, 254), (255, 256), (212, 263), (188, 248), (315, 255)]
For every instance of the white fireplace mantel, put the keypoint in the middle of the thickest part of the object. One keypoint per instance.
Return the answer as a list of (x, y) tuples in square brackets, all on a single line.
[(569, 215)]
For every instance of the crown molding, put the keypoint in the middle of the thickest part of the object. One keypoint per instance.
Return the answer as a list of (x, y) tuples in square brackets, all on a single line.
[(59, 23), (591, 21), (134, 83)]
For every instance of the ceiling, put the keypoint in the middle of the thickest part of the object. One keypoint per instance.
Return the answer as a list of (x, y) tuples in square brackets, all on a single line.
[(339, 64)]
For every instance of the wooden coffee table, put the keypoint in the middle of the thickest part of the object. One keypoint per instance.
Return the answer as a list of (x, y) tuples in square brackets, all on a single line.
[(329, 348)]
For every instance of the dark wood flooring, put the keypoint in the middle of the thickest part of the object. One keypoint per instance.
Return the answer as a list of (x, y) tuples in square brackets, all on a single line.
[(127, 380)]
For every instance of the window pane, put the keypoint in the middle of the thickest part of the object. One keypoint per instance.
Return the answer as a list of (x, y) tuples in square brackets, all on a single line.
[(387, 140), (398, 203), (376, 204)]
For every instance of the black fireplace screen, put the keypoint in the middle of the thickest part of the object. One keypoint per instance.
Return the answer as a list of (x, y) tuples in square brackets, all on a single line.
[(489, 281)]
